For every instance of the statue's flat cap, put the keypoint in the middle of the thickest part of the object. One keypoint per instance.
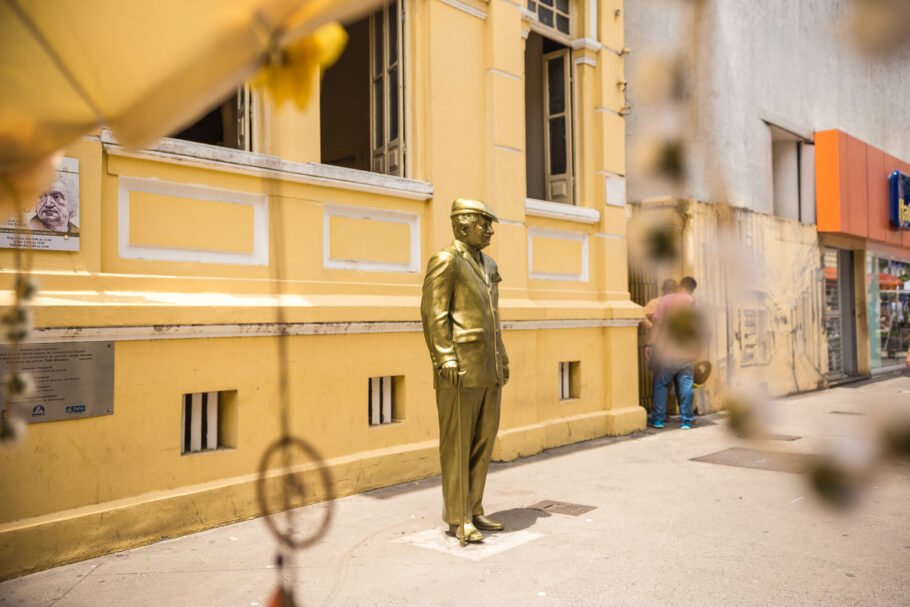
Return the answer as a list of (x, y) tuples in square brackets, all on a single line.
[(465, 206)]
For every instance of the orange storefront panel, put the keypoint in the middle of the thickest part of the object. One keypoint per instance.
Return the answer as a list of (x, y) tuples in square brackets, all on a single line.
[(829, 181), (851, 183), (857, 200), (879, 167)]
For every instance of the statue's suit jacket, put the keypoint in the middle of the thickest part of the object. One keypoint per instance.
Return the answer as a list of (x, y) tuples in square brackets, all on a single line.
[(460, 312)]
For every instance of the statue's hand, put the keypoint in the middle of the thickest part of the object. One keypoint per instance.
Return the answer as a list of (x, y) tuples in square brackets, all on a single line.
[(505, 374), (449, 371)]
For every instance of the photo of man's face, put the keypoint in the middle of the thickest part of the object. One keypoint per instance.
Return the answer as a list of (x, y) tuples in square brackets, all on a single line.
[(53, 208)]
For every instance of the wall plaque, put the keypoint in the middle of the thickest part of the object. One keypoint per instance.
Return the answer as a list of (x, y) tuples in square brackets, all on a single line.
[(52, 223), (72, 380)]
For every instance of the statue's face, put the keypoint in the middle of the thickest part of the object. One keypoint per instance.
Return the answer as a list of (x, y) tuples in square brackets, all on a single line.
[(479, 233)]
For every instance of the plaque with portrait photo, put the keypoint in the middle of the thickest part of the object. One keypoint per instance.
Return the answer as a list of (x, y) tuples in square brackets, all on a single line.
[(52, 222)]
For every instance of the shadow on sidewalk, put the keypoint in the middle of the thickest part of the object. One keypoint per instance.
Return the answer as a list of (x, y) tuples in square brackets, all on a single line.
[(711, 419), (517, 519)]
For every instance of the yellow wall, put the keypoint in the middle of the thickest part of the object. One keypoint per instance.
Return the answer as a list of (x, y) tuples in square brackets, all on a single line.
[(189, 294)]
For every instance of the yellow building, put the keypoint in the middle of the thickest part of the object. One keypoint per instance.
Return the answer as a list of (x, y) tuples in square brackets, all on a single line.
[(178, 246)]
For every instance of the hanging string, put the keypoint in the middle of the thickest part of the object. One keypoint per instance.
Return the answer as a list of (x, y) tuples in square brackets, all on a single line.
[(16, 324), (292, 483)]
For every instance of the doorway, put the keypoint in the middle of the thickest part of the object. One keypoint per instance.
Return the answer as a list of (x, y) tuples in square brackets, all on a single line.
[(840, 313)]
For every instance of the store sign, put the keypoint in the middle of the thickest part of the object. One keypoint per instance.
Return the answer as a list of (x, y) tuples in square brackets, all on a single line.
[(899, 200)]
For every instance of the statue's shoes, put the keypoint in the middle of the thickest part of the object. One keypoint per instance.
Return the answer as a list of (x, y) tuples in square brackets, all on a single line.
[(471, 534), (487, 524)]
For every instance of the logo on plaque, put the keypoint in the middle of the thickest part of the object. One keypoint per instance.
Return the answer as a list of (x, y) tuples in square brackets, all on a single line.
[(75, 409), (37, 410)]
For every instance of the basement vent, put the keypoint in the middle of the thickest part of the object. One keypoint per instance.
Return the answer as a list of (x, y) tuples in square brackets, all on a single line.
[(204, 420), (569, 380)]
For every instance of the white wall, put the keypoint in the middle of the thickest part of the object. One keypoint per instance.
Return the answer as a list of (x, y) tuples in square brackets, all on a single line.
[(783, 61)]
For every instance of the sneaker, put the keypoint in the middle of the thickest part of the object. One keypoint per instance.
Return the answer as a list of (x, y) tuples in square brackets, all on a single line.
[(657, 424), (685, 426)]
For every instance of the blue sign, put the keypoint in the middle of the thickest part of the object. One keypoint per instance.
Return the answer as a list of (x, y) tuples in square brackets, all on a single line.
[(75, 409), (899, 200)]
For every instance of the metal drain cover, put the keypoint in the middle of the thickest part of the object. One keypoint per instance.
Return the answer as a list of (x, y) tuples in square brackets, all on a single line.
[(847, 413), (777, 461), (561, 507)]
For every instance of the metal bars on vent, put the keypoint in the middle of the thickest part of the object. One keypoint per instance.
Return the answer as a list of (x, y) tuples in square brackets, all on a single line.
[(200, 421), (564, 381), (381, 400), (568, 380)]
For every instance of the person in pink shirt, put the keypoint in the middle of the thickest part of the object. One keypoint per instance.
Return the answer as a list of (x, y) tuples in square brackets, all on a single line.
[(674, 353)]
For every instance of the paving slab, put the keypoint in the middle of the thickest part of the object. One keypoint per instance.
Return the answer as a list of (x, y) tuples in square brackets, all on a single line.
[(664, 530)]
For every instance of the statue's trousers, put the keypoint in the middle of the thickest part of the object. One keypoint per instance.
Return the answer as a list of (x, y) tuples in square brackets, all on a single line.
[(479, 424)]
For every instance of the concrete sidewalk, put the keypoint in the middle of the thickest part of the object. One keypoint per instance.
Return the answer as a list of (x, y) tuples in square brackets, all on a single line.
[(663, 530)]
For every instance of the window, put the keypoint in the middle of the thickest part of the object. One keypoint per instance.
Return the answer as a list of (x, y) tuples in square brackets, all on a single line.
[(362, 97), (209, 421), (552, 13), (792, 176), (548, 120), (228, 125), (569, 380), (385, 400)]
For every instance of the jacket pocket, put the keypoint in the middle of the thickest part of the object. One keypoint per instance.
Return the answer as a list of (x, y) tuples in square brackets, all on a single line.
[(464, 336)]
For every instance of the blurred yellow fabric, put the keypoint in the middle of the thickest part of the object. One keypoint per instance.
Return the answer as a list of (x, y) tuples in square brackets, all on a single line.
[(291, 78), (143, 68)]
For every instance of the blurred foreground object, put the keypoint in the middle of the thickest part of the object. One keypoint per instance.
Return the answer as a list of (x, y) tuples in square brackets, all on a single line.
[(142, 68), (841, 477), (661, 79), (26, 183), (881, 26), (747, 418), (289, 75)]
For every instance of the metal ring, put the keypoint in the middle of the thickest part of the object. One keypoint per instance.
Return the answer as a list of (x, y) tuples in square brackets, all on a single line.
[(288, 442)]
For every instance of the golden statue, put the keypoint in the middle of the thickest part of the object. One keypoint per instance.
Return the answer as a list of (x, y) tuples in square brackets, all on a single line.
[(460, 312)]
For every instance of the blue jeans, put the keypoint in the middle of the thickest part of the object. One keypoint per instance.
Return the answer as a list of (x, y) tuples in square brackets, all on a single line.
[(684, 380)]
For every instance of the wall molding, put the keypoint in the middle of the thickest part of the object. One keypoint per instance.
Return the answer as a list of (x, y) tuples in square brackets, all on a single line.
[(589, 44), (164, 332), (583, 276), (585, 61), (466, 8), (560, 210), (412, 220), (259, 202), (217, 158)]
